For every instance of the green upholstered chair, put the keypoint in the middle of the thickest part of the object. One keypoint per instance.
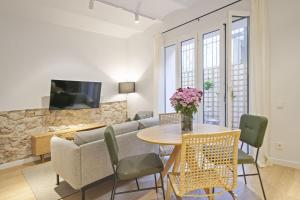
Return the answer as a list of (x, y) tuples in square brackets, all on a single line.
[(253, 130), (133, 167)]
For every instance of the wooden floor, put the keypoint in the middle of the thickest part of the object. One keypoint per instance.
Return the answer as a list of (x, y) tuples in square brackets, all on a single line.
[(281, 183)]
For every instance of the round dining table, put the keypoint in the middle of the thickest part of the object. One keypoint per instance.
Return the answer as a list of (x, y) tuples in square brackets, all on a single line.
[(171, 134)]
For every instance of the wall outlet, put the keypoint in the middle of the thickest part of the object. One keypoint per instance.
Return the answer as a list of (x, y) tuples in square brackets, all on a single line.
[(279, 146)]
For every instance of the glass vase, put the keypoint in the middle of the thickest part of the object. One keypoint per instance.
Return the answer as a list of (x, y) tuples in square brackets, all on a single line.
[(186, 122)]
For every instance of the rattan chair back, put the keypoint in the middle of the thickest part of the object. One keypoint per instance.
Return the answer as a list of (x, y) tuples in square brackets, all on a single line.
[(209, 161), (169, 118)]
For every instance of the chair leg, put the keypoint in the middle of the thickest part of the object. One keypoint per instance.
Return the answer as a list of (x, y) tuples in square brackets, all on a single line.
[(57, 179), (178, 198), (234, 196), (162, 185), (245, 180), (112, 197), (261, 184), (155, 183), (169, 188), (210, 191), (137, 184)]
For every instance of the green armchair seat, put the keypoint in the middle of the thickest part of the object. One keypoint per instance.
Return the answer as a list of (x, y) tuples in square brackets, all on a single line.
[(244, 158), (133, 167), (137, 166)]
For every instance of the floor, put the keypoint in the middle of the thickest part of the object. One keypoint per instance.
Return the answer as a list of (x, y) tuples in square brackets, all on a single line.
[(281, 183)]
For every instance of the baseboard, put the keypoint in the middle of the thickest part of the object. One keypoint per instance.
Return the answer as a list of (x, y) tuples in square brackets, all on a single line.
[(20, 162), (285, 163)]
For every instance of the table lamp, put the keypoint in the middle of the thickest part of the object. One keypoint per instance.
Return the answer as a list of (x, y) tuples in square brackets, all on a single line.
[(126, 88)]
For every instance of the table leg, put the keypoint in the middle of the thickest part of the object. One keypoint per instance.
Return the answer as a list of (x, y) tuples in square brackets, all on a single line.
[(169, 189), (173, 157), (177, 160)]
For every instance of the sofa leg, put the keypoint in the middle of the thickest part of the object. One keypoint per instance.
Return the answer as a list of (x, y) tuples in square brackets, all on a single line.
[(83, 193), (57, 179)]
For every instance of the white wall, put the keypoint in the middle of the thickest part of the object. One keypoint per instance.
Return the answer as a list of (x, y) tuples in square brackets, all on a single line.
[(285, 69), (140, 61), (33, 53)]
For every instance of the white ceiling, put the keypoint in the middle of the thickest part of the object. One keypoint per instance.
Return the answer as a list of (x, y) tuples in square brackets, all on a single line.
[(103, 19)]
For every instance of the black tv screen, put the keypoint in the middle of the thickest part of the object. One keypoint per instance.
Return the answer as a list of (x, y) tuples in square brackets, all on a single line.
[(74, 95)]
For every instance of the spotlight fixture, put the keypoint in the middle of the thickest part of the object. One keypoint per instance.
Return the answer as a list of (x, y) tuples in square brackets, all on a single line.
[(136, 18), (135, 11), (91, 4)]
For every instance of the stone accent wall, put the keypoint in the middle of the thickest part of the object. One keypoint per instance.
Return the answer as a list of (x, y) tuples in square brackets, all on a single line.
[(16, 127)]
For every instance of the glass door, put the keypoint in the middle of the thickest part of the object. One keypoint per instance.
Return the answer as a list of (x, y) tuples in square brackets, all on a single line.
[(237, 67), (213, 77)]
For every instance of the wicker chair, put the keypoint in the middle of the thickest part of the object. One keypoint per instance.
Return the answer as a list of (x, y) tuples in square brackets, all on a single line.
[(168, 118), (208, 162)]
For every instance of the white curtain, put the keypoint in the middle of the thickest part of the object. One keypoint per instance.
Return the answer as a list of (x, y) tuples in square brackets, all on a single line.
[(158, 74), (260, 69)]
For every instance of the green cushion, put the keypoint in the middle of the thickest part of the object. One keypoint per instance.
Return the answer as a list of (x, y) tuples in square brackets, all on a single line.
[(244, 158), (253, 129), (137, 166)]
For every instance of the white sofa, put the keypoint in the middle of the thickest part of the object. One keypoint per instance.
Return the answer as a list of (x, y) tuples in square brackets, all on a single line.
[(86, 160)]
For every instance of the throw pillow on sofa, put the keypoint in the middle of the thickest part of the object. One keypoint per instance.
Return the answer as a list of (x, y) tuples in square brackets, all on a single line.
[(148, 122)]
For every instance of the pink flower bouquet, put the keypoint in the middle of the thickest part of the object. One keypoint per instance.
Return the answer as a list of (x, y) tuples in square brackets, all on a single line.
[(186, 100)]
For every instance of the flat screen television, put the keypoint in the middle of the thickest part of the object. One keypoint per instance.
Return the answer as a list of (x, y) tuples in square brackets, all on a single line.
[(74, 95)]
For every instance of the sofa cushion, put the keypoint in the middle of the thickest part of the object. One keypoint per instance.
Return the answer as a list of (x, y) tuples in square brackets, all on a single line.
[(126, 127), (84, 137), (145, 123)]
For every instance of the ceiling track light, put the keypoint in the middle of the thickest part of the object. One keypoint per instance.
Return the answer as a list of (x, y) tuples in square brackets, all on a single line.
[(91, 4), (137, 15), (136, 18)]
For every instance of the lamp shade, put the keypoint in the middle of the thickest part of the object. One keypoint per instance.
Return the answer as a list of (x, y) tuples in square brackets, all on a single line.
[(126, 87)]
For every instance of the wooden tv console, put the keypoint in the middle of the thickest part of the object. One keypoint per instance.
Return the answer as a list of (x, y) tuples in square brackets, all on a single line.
[(41, 142)]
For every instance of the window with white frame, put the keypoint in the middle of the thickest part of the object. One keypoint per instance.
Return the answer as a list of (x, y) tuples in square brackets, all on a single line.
[(170, 76), (188, 63), (212, 73), (211, 77)]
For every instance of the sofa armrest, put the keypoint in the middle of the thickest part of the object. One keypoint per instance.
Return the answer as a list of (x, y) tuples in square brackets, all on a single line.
[(95, 162), (65, 159)]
